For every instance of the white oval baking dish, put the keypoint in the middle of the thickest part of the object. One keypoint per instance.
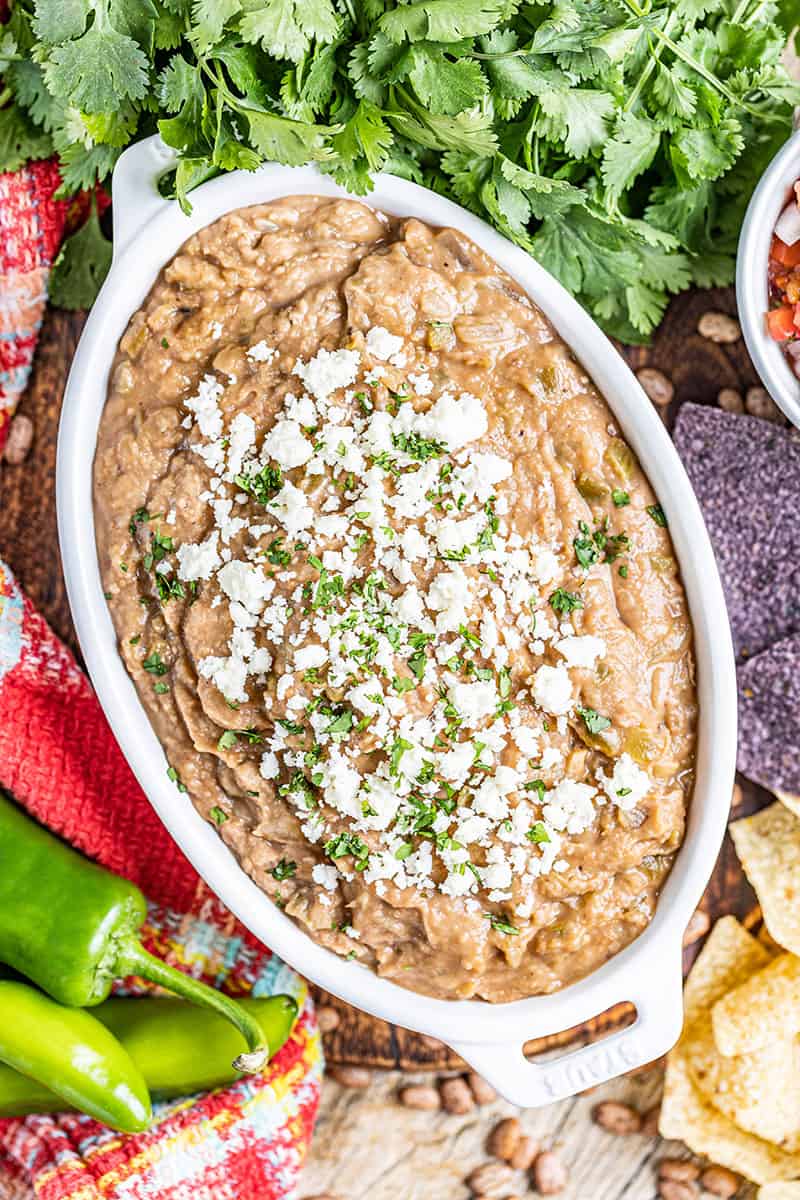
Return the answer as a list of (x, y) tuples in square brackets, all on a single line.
[(752, 289), (147, 232)]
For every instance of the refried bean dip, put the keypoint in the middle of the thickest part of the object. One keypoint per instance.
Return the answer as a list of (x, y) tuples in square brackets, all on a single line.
[(397, 598)]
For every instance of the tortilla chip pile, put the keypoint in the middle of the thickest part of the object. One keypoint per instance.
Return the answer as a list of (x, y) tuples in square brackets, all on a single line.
[(732, 1089), (746, 473)]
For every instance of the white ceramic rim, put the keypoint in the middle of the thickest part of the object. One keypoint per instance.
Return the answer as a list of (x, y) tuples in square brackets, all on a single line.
[(148, 231), (752, 287)]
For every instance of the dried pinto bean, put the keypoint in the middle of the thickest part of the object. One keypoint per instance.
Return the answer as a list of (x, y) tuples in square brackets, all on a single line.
[(524, 1155), (616, 1117), (351, 1077), (681, 1169), (677, 1189), (720, 1182), (18, 442), (328, 1018), (658, 387), (419, 1095), (456, 1096), (549, 1174), (504, 1138), (730, 400), (491, 1179), (759, 403), (719, 327)]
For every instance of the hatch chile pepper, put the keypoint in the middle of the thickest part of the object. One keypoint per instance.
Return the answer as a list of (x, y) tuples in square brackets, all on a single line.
[(162, 1036), (70, 1052), (72, 927)]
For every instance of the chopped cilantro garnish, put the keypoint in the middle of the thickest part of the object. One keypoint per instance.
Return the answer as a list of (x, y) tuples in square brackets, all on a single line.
[(538, 833), (562, 601), (594, 722), (342, 722), (155, 664), (263, 486), (218, 815), (620, 498), (349, 843), (501, 925), (290, 726), (276, 554), (657, 513), (417, 447), (284, 869)]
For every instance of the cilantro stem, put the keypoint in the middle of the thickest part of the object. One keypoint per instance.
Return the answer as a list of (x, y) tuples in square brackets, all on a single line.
[(650, 66), (709, 76)]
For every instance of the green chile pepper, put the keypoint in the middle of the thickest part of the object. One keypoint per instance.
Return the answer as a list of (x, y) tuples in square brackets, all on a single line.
[(70, 1052), (72, 927), (178, 1049)]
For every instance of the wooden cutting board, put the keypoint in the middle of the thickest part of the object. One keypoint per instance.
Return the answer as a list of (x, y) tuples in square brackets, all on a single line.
[(698, 368)]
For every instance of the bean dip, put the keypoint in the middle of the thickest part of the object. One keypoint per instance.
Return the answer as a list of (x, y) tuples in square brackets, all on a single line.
[(398, 599)]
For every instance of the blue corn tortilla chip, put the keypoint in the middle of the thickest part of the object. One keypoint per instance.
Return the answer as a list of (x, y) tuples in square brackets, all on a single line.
[(746, 473), (769, 720)]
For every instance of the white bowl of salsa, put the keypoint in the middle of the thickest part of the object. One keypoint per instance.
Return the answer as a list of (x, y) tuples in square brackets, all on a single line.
[(767, 277)]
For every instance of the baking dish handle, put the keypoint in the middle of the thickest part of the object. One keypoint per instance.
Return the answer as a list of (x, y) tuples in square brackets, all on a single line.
[(135, 188), (657, 995)]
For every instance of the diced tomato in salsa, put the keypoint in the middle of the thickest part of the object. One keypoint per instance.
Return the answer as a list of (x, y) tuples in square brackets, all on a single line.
[(787, 256), (780, 323)]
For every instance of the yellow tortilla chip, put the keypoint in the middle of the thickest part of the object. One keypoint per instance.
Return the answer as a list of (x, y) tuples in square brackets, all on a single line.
[(779, 1191), (729, 957), (790, 801), (768, 845), (763, 1010), (686, 1116), (759, 1092)]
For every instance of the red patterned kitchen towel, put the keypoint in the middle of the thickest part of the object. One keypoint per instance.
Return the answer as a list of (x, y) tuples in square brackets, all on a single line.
[(58, 757), (31, 226)]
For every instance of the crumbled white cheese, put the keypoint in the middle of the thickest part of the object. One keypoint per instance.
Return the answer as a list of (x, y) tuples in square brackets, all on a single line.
[(552, 689), (581, 651), (261, 352), (628, 784), (382, 344), (328, 371)]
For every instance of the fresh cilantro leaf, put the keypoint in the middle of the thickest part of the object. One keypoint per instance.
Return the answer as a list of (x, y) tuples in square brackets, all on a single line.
[(20, 140), (445, 87), (289, 142), (98, 70), (443, 20), (629, 152), (81, 266), (57, 21), (209, 18), (285, 28), (577, 116)]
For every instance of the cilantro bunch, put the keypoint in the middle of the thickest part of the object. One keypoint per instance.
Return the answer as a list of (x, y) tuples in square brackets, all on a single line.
[(617, 141)]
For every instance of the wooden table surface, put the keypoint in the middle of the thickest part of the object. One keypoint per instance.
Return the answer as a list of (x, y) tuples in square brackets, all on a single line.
[(698, 369)]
